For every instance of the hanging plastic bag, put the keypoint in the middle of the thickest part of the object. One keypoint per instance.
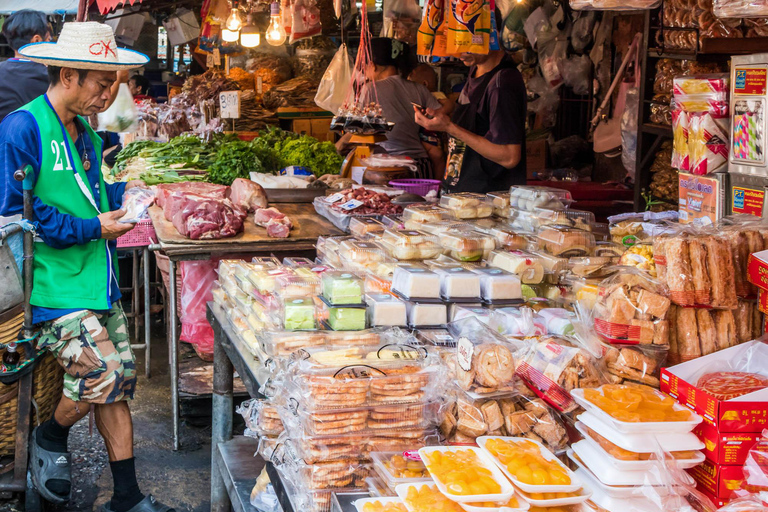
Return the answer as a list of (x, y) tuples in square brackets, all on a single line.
[(576, 73), (197, 278), (629, 131), (122, 116), (335, 82), (305, 20), (401, 19)]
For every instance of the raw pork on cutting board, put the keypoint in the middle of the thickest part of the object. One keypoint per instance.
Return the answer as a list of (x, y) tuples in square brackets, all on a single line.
[(248, 195), (278, 225)]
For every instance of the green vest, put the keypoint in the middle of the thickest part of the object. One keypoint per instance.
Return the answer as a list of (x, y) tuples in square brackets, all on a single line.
[(77, 277)]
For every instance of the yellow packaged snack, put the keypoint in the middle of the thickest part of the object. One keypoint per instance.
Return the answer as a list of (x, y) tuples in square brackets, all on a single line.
[(469, 26), (433, 17)]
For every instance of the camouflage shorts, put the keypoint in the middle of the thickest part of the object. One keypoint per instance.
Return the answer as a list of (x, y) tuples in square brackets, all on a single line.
[(96, 354)]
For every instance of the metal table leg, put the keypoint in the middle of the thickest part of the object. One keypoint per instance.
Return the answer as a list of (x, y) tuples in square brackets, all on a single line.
[(173, 352), (135, 294), (221, 428), (145, 263)]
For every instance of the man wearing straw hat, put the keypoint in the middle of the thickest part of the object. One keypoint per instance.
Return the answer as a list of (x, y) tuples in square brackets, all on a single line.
[(75, 294)]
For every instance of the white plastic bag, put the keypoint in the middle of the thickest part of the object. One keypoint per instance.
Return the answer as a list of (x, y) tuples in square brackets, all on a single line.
[(136, 202), (335, 82), (629, 131), (122, 116)]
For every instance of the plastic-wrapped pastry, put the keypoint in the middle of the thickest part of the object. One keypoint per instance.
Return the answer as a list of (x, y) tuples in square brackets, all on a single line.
[(500, 203), (342, 288), (410, 245), (526, 197), (566, 242), (458, 283), (466, 205), (363, 226), (531, 220), (467, 245), (517, 322), (425, 314), (298, 314), (498, 285), (413, 281), (523, 264), (423, 214), (385, 310)]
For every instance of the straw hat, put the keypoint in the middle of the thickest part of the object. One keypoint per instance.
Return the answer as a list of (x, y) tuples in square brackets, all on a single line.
[(84, 45)]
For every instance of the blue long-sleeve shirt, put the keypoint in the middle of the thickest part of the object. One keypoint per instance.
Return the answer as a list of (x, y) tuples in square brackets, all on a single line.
[(20, 145)]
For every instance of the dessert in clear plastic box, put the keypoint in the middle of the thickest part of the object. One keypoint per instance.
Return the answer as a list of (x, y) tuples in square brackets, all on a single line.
[(421, 314), (565, 241), (399, 468), (523, 264), (554, 266), (440, 227), (592, 266), (467, 245), (458, 283), (423, 214), (293, 286), (297, 314), (499, 201), (466, 205), (342, 288), (385, 310), (363, 226), (362, 255), (328, 249), (410, 244), (339, 318), (532, 220), (415, 281), (498, 285), (526, 197), (294, 262), (279, 343)]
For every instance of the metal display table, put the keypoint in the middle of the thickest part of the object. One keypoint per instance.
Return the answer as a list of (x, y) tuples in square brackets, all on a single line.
[(308, 226)]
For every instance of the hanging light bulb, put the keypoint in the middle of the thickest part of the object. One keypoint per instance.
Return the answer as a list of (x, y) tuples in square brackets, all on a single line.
[(275, 34), (234, 23), (229, 36), (249, 34)]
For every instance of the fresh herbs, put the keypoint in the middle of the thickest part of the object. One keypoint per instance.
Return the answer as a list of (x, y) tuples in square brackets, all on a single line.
[(235, 160), (305, 151)]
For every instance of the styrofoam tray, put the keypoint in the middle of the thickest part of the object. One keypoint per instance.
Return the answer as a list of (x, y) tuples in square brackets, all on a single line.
[(523, 506), (641, 442), (359, 504), (548, 455), (506, 488), (641, 427), (402, 492), (594, 483), (560, 502), (608, 502), (635, 465), (609, 475)]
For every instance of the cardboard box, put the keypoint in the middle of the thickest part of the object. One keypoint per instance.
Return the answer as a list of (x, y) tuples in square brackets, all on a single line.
[(717, 479), (536, 152), (757, 269), (747, 413), (127, 27), (719, 502), (321, 129), (302, 126), (181, 27), (701, 198), (724, 448), (762, 301)]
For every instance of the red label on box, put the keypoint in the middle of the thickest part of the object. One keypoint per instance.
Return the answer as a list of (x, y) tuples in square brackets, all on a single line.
[(747, 200), (721, 481), (757, 269), (762, 301), (750, 81), (724, 448), (718, 502)]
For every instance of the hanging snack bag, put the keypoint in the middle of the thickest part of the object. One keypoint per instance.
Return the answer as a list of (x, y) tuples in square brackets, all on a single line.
[(469, 26), (431, 20)]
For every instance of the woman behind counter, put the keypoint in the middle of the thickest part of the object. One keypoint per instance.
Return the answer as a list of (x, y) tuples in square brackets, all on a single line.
[(396, 96)]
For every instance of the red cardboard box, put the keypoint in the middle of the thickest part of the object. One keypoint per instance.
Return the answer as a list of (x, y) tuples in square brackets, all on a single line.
[(719, 502), (718, 480), (724, 448), (757, 269), (747, 413)]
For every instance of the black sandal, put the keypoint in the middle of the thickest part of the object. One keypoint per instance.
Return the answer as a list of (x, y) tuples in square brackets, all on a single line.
[(148, 504), (45, 466)]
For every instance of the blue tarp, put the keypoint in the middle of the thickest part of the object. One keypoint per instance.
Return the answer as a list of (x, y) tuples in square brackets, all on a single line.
[(47, 6)]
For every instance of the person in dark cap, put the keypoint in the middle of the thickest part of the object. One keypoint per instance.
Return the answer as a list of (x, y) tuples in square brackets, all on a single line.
[(396, 96), (22, 80)]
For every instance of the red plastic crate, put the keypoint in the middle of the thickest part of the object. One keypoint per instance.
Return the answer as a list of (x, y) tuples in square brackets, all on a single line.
[(140, 236)]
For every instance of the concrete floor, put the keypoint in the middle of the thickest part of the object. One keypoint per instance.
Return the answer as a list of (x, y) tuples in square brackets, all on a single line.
[(178, 479)]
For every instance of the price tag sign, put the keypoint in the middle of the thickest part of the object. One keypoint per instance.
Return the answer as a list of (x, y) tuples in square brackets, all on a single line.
[(351, 205), (229, 101), (209, 61), (335, 198), (216, 57)]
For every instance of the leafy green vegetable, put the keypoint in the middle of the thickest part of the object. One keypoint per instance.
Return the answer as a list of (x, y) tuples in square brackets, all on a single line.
[(234, 160), (305, 151)]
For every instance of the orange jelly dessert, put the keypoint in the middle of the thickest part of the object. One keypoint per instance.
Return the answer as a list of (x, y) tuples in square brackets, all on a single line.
[(541, 496), (377, 506), (635, 404), (512, 503), (525, 462), (462, 472), (428, 499), (550, 509)]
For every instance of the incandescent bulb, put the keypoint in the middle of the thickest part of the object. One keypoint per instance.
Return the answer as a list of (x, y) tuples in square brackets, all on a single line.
[(234, 22), (230, 36), (275, 34)]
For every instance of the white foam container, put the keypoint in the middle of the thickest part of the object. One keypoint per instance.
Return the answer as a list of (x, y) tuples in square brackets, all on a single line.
[(641, 427), (560, 502), (599, 465), (608, 502), (487, 461), (402, 492), (548, 455), (641, 442), (359, 504), (522, 508), (635, 465)]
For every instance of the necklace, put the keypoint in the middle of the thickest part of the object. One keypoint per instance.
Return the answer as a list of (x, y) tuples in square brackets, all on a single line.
[(86, 161)]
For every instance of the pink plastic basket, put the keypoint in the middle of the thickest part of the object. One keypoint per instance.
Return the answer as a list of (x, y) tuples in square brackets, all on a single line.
[(416, 186), (140, 236)]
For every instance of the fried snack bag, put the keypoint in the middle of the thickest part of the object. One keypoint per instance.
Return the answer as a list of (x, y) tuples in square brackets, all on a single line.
[(433, 17), (469, 26)]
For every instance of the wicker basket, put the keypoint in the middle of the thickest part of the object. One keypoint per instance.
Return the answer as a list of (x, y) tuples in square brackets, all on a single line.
[(48, 382)]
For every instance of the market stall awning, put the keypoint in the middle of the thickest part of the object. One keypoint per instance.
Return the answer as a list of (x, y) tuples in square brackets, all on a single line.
[(46, 6), (106, 6)]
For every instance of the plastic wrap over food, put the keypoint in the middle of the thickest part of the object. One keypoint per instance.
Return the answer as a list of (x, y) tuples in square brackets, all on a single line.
[(136, 202), (261, 417), (613, 5)]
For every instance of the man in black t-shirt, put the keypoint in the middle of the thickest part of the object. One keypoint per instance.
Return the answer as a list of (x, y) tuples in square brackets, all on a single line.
[(487, 130), (22, 80)]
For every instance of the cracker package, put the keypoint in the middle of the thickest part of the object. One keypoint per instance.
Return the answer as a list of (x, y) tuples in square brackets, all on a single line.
[(463, 419), (744, 234), (261, 417), (697, 267), (632, 309), (634, 364), (483, 363)]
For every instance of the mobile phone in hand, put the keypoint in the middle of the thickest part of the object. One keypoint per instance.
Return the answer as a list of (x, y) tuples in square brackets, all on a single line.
[(422, 110)]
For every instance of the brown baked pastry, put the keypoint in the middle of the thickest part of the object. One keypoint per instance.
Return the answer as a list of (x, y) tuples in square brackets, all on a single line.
[(701, 283), (620, 307), (678, 271), (494, 365), (661, 332), (492, 414), (647, 329), (707, 332), (673, 356), (653, 304), (470, 421), (687, 334), (720, 267), (726, 329)]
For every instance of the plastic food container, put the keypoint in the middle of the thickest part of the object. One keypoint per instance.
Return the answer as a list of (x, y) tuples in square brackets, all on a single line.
[(294, 262), (457, 283), (532, 220), (444, 503), (366, 338), (344, 318), (385, 310), (509, 239), (467, 245), (298, 314), (499, 201), (378, 284), (378, 488), (566, 242), (362, 256), (530, 198), (328, 249), (523, 264), (641, 442), (440, 338), (581, 496), (410, 245), (554, 266), (485, 461), (592, 266), (615, 498), (460, 312), (466, 205), (393, 222), (574, 486), (364, 226), (360, 504), (282, 343), (644, 427), (522, 506), (608, 249), (444, 226), (342, 288), (396, 468), (422, 214), (293, 286), (425, 314), (498, 285), (414, 281)]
